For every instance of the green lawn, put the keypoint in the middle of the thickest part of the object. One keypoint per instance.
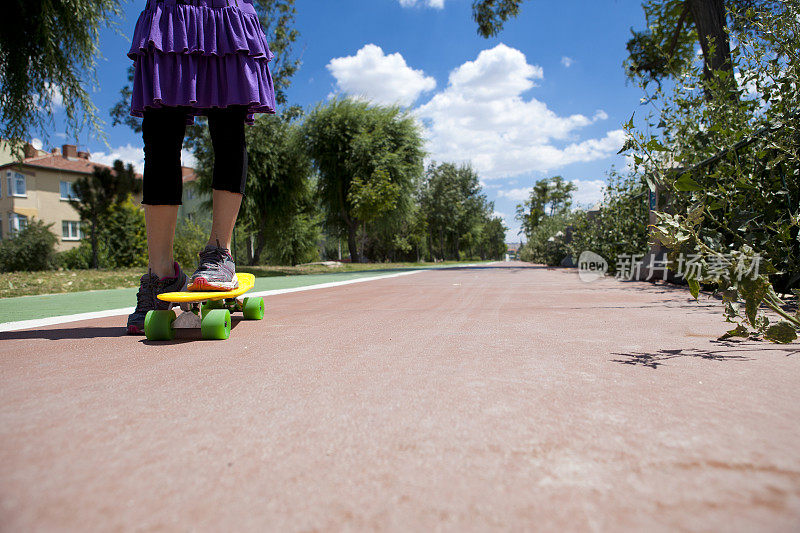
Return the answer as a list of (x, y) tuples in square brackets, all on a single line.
[(13, 284)]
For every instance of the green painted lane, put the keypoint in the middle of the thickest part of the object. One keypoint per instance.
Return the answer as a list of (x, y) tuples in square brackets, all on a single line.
[(53, 305)]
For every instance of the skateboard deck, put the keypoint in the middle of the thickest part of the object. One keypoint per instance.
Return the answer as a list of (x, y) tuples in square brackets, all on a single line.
[(208, 310), (246, 282)]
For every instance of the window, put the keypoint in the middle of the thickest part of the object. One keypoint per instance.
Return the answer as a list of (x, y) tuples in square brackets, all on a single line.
[(16, 184), (70, 230), (66, 191), (16, 223)]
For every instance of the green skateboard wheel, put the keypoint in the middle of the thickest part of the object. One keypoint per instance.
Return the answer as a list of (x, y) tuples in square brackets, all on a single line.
[(158, 325), (216, 325), (209, 305), (253, 308)]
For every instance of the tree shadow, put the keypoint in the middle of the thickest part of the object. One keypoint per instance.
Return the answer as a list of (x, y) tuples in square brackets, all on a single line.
[(81, 332), (187, 335), (724, 353)]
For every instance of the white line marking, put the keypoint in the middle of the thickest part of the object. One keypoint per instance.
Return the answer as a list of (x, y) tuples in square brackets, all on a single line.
[(51, 321)]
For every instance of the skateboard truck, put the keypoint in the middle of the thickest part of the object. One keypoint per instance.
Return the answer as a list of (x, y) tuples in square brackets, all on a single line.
[(209, 311)]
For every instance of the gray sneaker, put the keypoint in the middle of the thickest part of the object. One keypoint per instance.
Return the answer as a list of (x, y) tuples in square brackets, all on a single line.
[(216, 272), (150, 286)]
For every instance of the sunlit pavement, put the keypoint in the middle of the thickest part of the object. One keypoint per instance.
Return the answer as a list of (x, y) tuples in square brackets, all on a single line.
[(504, 397)]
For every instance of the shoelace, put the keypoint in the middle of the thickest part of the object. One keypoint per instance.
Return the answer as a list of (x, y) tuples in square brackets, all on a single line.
[(146, 297), (212, 259)]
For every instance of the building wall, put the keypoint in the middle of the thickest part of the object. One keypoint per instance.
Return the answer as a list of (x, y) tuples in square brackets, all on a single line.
[(191, 207), (5, 153), (43, 202)]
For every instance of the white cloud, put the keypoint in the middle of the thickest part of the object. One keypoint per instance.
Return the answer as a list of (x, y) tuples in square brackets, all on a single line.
[(589, 191), (384, 79), (482, 117), (517, 195), (55, 95), (135, 156), (188, 159), (437, 4), (127, 154), (567, 61)]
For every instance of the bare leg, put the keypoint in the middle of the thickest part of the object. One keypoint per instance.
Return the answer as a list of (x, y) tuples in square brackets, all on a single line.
[(226, 209), (161, 221)]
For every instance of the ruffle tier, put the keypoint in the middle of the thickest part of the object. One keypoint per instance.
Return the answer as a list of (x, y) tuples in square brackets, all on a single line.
[(190, 29), (202, 83), (200, 57)]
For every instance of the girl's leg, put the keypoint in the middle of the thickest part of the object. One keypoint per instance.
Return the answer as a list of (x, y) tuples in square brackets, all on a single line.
[(224, 214), (163, 131), (226, 127), (217, 270), (161, 221)]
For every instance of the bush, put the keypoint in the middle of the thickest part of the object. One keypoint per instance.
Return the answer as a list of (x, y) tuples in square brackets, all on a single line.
[(80, 257), (619, 228), (547, 242), (34, 248), (190, 238), (125, 237)]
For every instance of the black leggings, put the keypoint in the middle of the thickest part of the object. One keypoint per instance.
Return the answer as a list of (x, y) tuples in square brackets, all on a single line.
[(163, 130)]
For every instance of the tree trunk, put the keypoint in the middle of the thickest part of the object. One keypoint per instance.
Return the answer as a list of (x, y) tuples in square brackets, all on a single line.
[(352, 243), (95, 260), (441, 243), (258, 248), (710, 19)]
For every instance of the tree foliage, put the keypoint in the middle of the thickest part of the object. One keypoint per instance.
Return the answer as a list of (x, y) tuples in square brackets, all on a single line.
[(99, 192), (491, 15), (676, 27), (731, 172), (33, 248), (368, 158), (47, 59), (278, 190), (550, 194), (459, 218)]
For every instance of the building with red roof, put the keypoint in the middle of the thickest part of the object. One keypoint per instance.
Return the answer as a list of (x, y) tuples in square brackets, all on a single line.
[(40, 186)]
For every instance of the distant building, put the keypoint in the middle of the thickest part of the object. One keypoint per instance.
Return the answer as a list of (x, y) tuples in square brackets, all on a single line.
[(40, 186), (512, 249), (192, 200)]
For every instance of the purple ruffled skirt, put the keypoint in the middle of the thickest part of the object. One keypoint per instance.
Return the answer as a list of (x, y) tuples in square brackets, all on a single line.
[(201, 54)]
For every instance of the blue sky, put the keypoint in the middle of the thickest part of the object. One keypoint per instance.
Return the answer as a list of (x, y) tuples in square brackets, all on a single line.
[(546, 97)]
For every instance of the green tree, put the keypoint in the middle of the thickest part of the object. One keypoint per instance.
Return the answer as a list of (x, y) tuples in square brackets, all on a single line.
[(125, 236), (33, 248), (730, 173), (47, 57), (619, 227), (549, 194), (455, 209), (493, 239), (277, 207), (368, 159), (97, 193)]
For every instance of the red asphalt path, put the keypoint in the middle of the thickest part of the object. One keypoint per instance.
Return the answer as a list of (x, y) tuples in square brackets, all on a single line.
[(508, 397)]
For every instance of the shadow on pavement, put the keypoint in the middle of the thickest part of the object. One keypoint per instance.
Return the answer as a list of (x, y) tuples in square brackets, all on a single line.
[(725, 353), (186, 335), (81, 332)]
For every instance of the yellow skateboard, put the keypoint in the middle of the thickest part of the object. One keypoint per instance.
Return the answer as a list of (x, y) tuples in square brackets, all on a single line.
[(212, 309)]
